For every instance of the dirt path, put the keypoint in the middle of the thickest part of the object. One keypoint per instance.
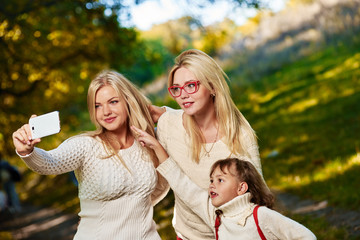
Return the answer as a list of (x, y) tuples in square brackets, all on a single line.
[(335, 216), (35, 223)]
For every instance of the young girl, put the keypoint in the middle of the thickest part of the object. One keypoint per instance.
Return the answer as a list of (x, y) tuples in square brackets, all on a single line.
[(235, 189), (117, 178), (208, 127)]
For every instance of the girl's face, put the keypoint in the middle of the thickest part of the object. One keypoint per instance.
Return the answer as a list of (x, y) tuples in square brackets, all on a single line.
[(197, 103), (223, 187), (110, 109)]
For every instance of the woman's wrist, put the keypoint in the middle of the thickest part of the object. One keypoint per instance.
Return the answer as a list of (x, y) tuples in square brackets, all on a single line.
[(23, 153), (160, 153)]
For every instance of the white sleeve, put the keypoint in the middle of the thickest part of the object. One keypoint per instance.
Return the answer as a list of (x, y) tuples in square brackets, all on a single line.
[(190, 193), (277, 226), (67, 157)]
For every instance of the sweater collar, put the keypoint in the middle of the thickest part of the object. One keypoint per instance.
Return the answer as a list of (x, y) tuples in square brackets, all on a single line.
[(238, 209)]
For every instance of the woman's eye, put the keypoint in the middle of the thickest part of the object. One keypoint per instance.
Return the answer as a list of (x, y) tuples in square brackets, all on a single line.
[(96, 106), (114, 101), (191, 85)]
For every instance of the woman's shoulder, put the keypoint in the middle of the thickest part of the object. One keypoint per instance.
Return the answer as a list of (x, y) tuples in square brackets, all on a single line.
[(171, 115), (83, 139)]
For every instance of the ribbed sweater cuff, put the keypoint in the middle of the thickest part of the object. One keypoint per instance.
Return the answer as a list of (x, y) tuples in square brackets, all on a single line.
[(33, 160)]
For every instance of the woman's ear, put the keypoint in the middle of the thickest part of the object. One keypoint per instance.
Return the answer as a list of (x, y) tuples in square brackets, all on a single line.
[(243, 187), (212, 91)]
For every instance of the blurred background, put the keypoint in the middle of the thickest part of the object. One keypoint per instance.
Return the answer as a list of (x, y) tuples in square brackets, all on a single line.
[(294, 73)]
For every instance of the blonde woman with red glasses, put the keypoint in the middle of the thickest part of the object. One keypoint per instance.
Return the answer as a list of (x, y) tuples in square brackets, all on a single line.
[(208, 127)]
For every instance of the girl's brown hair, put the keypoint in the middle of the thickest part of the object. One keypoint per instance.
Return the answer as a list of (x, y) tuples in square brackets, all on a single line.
[(246, 172)]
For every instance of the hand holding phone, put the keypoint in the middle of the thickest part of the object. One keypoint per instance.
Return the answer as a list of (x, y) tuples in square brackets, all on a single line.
[(44, 125)]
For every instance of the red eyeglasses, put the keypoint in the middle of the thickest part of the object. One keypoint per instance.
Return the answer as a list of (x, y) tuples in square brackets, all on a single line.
[(189, 87)]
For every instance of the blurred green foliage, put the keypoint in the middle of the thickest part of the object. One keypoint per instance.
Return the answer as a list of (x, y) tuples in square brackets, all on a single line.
[(50, 51), (302, 100)]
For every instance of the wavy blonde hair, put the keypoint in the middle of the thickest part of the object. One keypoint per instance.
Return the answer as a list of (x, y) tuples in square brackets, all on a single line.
[(230, 119), (137, 108)]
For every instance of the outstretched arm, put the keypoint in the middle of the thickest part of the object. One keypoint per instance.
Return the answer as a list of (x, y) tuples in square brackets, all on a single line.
[(191, 194)]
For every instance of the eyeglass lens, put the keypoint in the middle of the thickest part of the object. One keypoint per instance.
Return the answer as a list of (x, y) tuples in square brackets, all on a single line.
[(190, 88)]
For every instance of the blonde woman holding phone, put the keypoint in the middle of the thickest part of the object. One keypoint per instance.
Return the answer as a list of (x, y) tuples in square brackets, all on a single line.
[(118, 183)]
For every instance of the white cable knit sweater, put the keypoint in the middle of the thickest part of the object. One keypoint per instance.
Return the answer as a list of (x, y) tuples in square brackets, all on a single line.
[(115, 204)]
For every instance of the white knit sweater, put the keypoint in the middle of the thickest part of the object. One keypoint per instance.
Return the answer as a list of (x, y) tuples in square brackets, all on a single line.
[(237, 221), (115, 204), (172, 135)]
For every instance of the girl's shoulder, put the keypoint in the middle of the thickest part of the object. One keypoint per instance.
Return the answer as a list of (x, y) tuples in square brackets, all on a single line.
[(268, 214)]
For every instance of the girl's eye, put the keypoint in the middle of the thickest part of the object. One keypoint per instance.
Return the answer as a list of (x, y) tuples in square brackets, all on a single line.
[(211, 181), (221, 180), (96, 106)]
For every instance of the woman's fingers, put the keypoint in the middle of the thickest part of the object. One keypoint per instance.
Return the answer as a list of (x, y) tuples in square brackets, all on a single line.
[(22, 139), (143, 137), (139, 134), (22, 135), (137, 131)]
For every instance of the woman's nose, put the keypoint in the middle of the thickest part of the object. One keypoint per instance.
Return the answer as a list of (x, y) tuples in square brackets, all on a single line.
[(184, 94), (106, 110)]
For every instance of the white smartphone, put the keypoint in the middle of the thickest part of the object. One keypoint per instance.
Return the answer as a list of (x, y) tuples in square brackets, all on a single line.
[(45, 125)]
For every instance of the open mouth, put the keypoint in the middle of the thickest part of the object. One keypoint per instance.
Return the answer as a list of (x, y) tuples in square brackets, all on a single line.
[(213, 194)]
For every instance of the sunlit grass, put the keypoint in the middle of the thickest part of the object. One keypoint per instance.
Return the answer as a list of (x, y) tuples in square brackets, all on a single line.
[(331, 168), (307, 118)]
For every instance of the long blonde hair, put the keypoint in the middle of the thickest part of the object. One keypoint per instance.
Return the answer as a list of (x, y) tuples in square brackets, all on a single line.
[(137, 108), (230, 119)]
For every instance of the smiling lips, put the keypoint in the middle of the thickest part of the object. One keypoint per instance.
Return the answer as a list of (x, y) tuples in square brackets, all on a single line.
[(187, 104), (109, 120)]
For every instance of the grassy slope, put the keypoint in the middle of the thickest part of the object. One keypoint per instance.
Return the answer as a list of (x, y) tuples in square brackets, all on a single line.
[(308, 114)]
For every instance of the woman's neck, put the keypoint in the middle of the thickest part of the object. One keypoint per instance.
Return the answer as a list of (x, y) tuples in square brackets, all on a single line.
[(120, 139), (206, 119), (209, 126)]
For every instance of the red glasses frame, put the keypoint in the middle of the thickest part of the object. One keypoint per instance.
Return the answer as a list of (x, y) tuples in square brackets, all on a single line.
[(196, 83)]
